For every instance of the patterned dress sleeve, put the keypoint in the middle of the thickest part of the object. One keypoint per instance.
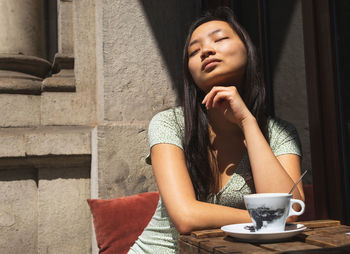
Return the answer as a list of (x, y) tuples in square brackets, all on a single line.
[(284, 138), (166, 127)]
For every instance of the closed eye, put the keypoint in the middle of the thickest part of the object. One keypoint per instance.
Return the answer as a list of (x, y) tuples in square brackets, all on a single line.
[(223, 38), (193, 52)]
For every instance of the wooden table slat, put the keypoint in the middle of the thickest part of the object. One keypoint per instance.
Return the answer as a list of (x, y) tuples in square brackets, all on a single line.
[(192, 240), (227, 250), (336, 240), (319, 223), (208, 233), (187, 248), (337, 250), (327, 231), (326, 237), (289, 246), (219, 245)]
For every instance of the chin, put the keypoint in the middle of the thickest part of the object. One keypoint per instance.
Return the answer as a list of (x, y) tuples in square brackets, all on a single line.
[(219, 78), (210, 84)]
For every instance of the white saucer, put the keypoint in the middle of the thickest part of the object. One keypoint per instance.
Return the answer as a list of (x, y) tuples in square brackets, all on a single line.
[(246, 232)]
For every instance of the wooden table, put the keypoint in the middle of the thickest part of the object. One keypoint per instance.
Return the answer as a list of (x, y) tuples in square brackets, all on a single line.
[(323, 236)]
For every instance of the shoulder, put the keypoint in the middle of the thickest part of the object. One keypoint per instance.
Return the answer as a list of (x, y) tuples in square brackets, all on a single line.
[(167, 127), (283, 137), (171, 118), (169, 115), (278, 126)]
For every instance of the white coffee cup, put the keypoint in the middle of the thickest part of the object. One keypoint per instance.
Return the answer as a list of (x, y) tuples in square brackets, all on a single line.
[(269, 211)]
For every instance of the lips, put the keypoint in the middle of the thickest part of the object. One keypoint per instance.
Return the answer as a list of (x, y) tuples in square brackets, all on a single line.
[(207, 63)]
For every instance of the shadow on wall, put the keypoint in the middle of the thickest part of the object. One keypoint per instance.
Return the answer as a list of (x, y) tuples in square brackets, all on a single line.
[(280, 17), (170, 21), (45, 168)]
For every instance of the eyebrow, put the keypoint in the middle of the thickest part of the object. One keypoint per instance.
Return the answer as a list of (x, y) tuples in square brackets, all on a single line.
[(210, 34)]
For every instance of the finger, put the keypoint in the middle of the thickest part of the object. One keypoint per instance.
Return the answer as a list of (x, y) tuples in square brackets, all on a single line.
[(209, 98), (205, 99), (211, 95), (220, 97)]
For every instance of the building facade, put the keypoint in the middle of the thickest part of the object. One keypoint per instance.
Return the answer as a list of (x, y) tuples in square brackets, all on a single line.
[(80, 81)]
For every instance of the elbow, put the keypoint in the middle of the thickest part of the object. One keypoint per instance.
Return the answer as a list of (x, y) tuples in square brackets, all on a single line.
[(184, 223), (184, 229)]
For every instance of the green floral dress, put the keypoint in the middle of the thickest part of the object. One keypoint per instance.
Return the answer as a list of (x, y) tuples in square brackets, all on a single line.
[(160, 236)]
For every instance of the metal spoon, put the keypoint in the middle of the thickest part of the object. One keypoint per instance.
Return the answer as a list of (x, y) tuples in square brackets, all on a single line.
[(295, 185)]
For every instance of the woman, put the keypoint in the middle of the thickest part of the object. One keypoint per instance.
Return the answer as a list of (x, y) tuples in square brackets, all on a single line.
[(219, 145)]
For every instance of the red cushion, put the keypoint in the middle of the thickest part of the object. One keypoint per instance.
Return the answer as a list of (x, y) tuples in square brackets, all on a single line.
[(118, 222)]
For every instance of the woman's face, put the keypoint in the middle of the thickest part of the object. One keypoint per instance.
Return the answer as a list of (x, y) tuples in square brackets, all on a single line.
[(217, 56)]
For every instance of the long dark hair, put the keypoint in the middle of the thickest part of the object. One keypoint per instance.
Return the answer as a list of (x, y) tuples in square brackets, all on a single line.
[(197, 147)]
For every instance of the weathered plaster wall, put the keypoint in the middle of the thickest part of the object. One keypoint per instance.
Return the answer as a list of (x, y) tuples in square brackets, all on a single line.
[(135, 81), (18, 210)]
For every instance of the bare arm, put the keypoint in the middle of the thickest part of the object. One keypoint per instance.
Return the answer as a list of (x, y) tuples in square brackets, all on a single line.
[(176, 190), (271, 173)]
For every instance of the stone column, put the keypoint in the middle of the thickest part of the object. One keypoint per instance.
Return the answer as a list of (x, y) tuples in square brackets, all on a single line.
[(22, 46), (22, 66), (22, 28), (63, 67)]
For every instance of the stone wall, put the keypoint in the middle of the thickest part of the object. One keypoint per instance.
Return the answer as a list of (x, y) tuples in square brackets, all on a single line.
[(77, 127), (48, 114), (139, 51)]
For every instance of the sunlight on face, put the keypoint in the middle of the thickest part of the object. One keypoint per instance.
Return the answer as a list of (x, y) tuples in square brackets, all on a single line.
[(217, 56)]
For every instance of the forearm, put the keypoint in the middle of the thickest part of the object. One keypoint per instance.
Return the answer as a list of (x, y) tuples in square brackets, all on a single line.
[(269, 174), (201, 215), (178, 195)]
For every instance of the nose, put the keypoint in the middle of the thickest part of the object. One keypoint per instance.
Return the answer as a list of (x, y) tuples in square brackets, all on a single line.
[(207, 50)]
